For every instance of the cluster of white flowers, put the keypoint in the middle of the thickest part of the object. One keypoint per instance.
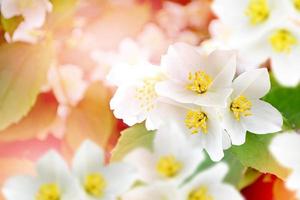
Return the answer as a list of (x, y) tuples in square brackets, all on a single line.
[(200, 94), (261, 30), (90, 178), (33, 13), (285, 148), (165, 169)]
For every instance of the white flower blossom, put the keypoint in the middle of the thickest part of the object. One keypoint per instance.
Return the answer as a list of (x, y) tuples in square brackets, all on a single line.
[(173, 158), (97, 180), (207, 185), (246, 112), (285, 148), (34, 14), (136, 99), (197, 79), (53, 181), (263, 29)]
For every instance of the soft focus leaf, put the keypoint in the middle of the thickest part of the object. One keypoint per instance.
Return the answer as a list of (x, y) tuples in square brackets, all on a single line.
[(35, 123), (255, 153), (131, 138), (23, 70), (91, 119)]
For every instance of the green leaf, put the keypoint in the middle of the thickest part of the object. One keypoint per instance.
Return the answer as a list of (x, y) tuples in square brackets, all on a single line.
[(287, 101), (23, 70), (255, 154), (11, 24), (131, 138)]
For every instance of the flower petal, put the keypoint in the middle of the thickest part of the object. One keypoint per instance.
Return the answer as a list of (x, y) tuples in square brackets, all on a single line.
[(234, 128), (88, 158), (264, 119), (225, 191), (253, 84), (20, 187), (285, 148)]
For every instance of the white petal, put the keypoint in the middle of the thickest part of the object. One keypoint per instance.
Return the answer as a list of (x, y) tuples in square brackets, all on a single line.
[(24, 33), (52, 167), (36, 15), (286, 69), (9, 9), (20, 187), (120, 177), (234, 128), (145, 163), (285, 148), (214, 98), (132, 112), (226, 140), (181, 59), (253, 84), (293, 181), (209, 177), (264, 119), (88, 158), (221, 65), (224, 191), (213, 141)]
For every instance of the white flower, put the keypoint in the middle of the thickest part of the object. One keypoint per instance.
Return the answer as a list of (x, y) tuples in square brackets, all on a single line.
[(136, 99), (53, 181), (285, 148), (209, 185), (197, 79), (201, 125), (245, 110), (34, 13), (157, 191), (263, 29), (97, 180), (173, 158)]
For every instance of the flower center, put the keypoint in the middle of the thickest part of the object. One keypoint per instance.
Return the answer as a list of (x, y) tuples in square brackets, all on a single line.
[(168, 166), (200, 194), (257, 11), (95, 184), (241, 106), (199, 82), (282, 40), (146, 94), (297, 4), (196, 121), (48, 192)]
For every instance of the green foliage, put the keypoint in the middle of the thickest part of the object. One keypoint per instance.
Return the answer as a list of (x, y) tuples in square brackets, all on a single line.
[(255, 154), (131, 138), (23, 70), (287, 101)]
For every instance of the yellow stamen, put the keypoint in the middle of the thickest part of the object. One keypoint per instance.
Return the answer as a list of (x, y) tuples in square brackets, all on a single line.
[(241, 106), (168, 166), (200, 194), (95, 184), (200, 82), (297, 4), (257, 11), (282, 41), (48, 192), (146, 93), (196, 121)]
